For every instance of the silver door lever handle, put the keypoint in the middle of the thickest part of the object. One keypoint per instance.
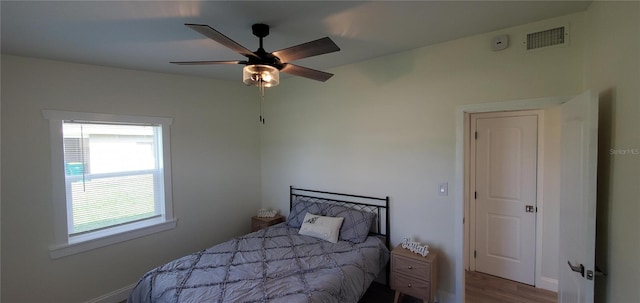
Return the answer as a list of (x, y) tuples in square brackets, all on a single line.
[(577, 268)]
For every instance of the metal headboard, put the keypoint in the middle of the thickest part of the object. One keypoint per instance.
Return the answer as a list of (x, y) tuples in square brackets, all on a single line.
[(366, 203)]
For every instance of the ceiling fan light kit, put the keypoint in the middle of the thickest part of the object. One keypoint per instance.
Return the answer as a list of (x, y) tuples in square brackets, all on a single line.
[(260, 74)]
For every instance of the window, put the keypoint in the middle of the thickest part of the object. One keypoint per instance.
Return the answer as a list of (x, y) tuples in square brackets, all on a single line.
[(111, 179)]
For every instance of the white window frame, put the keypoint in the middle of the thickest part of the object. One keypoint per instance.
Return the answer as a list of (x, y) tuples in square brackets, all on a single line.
[(65, 245)]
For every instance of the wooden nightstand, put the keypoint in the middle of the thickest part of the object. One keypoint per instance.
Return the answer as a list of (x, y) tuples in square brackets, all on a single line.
[(258, 223), (414, 274)]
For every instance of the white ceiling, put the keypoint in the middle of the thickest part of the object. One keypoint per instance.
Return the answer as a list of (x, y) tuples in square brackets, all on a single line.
[(146, 35)]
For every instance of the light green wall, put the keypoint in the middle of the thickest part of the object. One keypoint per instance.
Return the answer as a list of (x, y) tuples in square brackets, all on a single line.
[(387, 127), (613, 70), (215, 165)]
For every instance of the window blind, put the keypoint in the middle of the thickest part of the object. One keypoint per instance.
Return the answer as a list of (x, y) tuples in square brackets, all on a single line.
[(113, 174)]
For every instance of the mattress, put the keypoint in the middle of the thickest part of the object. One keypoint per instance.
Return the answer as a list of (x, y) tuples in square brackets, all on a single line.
[(275, 264)]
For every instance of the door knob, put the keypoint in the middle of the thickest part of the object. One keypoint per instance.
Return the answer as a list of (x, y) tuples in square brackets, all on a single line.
[(577, 268), (529, 208)]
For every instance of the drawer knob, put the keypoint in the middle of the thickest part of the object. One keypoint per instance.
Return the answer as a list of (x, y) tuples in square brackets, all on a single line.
[(410, 267), (409, 285)]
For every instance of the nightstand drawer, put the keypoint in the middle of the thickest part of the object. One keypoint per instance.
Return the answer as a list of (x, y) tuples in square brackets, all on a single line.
[(411, 267), (411, 286)]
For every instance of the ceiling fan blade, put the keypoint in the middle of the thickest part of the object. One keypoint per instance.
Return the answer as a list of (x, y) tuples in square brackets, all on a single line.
[(215, 35), (207, 62), (306, 72), (313, 48)]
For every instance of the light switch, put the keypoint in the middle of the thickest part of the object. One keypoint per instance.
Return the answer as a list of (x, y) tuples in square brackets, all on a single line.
[(443, 189)]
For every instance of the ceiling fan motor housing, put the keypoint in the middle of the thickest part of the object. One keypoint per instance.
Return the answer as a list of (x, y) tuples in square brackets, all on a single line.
[(261, 30)]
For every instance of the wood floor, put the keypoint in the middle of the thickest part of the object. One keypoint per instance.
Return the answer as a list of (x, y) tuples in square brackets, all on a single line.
[(482, 288), (479, 288)]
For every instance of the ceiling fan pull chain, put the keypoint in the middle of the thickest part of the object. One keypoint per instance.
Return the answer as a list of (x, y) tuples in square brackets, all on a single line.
[(261, 90)]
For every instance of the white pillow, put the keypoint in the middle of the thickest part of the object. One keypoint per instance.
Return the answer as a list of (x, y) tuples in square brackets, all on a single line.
[(325, 228)]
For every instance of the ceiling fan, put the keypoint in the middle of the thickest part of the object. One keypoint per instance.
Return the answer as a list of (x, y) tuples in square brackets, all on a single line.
[(261, 68)]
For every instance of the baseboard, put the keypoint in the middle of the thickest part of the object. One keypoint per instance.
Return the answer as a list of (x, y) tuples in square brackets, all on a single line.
[(547, 283), (115, 296), (445, 297)]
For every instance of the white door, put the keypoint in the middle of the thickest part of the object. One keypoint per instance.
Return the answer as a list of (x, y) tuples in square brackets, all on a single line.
[(578, 199), (506, 148)]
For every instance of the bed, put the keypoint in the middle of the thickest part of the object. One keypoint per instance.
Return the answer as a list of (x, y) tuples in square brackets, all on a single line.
[(293, 261)]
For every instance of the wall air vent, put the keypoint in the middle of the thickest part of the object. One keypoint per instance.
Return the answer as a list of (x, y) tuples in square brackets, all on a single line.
[(546, 38)]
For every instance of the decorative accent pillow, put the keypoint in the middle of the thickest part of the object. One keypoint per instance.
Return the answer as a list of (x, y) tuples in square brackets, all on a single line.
[(300, 208), (356, 225), (325, 228)]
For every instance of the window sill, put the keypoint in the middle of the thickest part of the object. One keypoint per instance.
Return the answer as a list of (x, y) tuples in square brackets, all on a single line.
[(81, 245)]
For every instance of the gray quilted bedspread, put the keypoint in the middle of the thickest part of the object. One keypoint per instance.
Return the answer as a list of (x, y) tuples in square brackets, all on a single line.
[(271, 265)]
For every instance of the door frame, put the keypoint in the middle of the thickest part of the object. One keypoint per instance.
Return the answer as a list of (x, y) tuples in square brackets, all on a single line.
[(469, 207), (461, 163)]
